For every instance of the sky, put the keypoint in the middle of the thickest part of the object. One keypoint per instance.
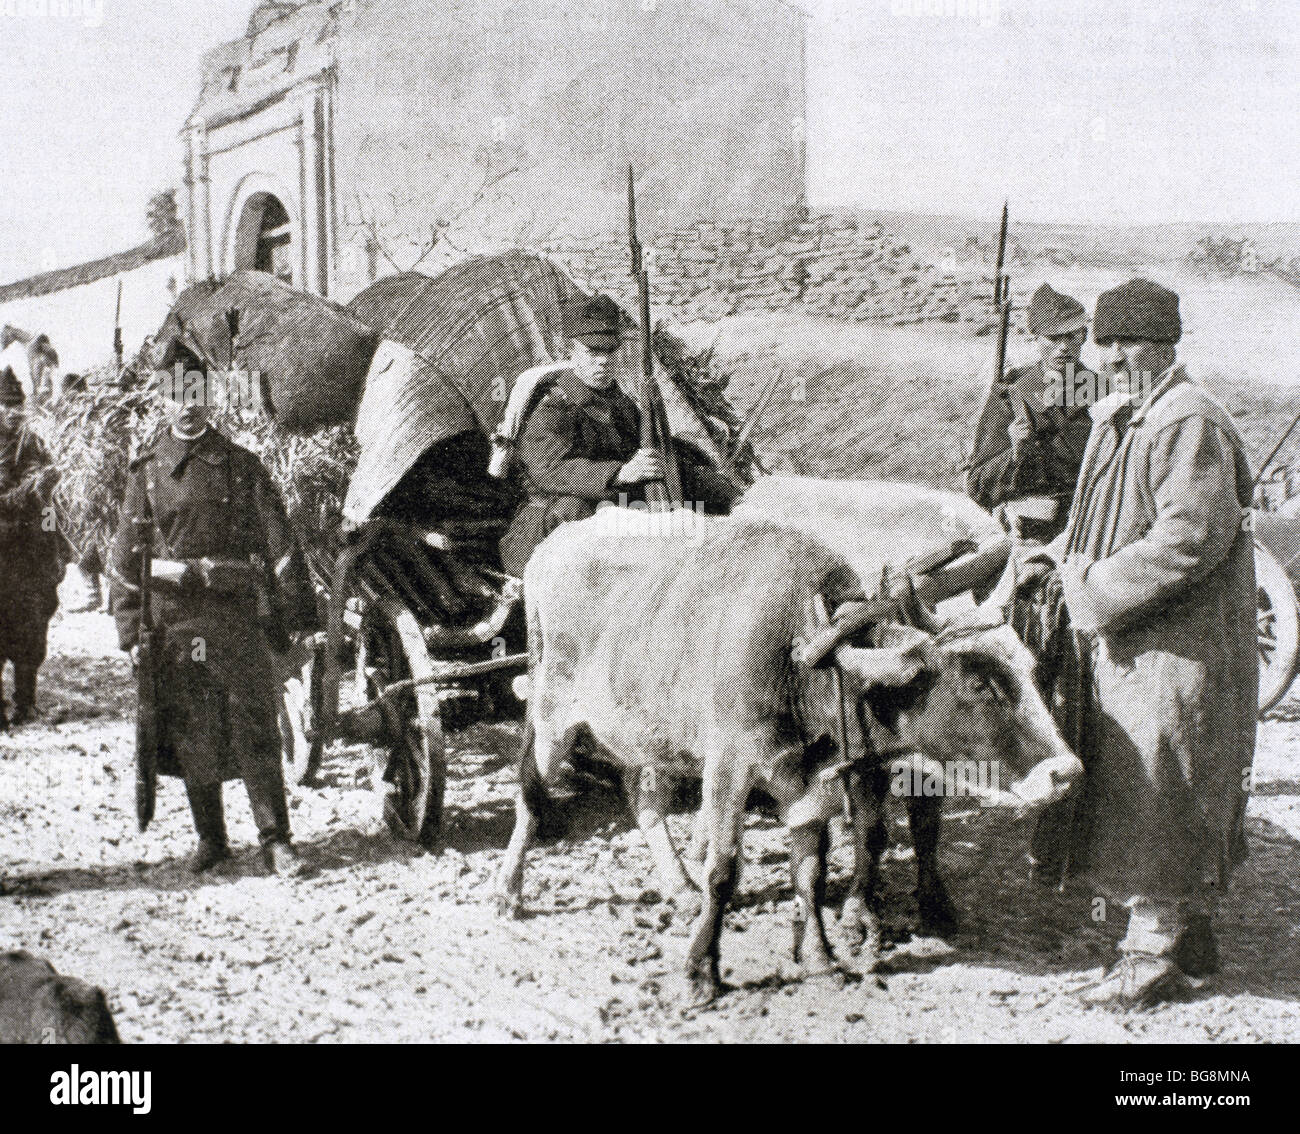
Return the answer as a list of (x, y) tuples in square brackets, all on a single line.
[(1085, 111)]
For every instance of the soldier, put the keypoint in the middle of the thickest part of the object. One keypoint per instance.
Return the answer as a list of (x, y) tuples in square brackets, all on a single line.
[(579, 444), (235, 581), (30, 546), (1032, 431), (1158, 579)]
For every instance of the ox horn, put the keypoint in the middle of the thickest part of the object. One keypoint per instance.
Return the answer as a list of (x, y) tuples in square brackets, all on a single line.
[(895, 662), (1003, 597)]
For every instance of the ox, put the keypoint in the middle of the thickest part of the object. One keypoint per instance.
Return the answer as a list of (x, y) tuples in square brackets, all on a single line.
[(873, 525), (37, 1005), (678, 656)]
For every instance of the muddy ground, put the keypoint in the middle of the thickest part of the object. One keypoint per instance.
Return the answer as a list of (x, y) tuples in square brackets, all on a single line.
[(380, 943)]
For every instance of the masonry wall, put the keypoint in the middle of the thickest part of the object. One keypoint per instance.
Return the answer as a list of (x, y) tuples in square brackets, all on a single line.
[(822, 265)]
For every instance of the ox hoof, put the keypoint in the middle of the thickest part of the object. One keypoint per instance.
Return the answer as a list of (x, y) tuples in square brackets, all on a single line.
[(510, 906), (860, 928), (825, 973), (938, 915), (702, 988)]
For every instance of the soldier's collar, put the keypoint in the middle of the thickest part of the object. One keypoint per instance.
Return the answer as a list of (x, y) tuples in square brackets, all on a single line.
[(578, 392)]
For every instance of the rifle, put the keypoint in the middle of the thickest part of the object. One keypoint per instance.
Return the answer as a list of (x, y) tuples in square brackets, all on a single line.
[(1002, 303), (660, 495), (146, 675), (117, 330)]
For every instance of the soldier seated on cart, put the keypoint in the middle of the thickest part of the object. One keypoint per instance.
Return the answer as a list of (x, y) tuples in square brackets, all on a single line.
[(578, 443)]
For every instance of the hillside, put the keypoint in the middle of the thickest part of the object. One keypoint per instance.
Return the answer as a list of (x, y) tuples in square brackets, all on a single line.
[(899, 402), (1099, 245)]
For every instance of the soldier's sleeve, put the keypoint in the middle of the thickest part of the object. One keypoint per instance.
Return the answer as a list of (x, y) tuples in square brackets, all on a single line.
[(1198, 516), (125, 560), (1066, 455), (547, 452), (288, 565), (34, 475), (995, 474)]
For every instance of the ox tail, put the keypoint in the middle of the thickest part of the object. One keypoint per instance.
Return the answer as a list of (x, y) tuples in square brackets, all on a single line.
[(551, 822)]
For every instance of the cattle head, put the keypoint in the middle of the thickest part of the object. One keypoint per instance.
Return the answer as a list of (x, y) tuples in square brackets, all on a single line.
[(961, 696)]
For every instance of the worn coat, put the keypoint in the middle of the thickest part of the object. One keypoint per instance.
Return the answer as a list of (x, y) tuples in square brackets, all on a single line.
[(1048, 465), (569, 452), (210, 498), (30, 563), (1159, 578)]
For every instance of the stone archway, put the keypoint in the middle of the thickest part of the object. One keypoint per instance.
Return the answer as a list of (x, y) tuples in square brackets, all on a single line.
[(262, 231)]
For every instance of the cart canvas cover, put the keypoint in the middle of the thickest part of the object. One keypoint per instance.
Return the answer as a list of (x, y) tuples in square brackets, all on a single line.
[(453, 346), (309, 355)]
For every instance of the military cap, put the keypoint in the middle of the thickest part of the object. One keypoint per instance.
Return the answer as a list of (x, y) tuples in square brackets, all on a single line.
[(11, 390), (593, 320), (1051, 313), (1138, 309)]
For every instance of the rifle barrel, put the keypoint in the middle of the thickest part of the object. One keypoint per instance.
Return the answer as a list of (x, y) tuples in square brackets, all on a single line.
[(1002, 241)]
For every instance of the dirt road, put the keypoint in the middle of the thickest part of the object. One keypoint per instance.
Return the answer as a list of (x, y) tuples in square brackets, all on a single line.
[(381, 944)]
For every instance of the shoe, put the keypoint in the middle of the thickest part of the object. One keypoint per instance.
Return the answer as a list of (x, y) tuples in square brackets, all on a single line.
[(208, 855), (1136, 980), (1197, 951), (22, 714), (282, 860)]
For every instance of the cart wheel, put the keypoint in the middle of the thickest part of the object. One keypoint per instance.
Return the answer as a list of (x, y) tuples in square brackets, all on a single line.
[(416, 776), (300, 703), (1277, 628)]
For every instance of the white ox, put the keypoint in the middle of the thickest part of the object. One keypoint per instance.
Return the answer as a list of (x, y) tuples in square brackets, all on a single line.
[(678, 654)]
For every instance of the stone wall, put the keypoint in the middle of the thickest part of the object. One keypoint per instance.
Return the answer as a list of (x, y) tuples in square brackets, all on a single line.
[(838, 268)]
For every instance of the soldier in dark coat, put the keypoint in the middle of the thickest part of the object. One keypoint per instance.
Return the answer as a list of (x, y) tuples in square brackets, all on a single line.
[(1032, 431), (579, 445), (30, 563), (210, 508)]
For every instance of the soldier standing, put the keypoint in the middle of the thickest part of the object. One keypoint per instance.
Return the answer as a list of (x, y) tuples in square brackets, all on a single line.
[(579, 445), (30, 561), (1034, 426), (231, 581)]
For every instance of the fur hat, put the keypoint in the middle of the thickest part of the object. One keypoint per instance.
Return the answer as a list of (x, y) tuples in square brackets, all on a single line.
[(1138, 309), (1051, 313)]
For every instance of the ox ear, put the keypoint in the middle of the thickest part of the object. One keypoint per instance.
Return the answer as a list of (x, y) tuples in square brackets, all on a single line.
[(896, 659)]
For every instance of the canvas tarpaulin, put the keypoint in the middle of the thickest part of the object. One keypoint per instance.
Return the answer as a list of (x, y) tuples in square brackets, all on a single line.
[(309, 355), (469, 333)]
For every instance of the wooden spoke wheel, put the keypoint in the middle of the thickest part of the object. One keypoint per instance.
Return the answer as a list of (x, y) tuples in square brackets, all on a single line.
[(415, 778), (300, 707), (1277, 628)]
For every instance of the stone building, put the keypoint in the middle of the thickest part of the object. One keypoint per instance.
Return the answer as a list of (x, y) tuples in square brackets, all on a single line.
[(338, 142)]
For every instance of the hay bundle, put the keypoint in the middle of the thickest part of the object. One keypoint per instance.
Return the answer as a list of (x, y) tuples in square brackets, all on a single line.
[(94, 434), (310, 355)]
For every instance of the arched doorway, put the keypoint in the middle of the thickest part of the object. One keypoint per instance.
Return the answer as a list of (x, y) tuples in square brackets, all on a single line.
[(264, 237)]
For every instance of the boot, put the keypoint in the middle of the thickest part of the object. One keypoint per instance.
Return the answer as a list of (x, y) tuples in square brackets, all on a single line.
[(210, 823), (1136, 980), (1197, 952), (24, 694)]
